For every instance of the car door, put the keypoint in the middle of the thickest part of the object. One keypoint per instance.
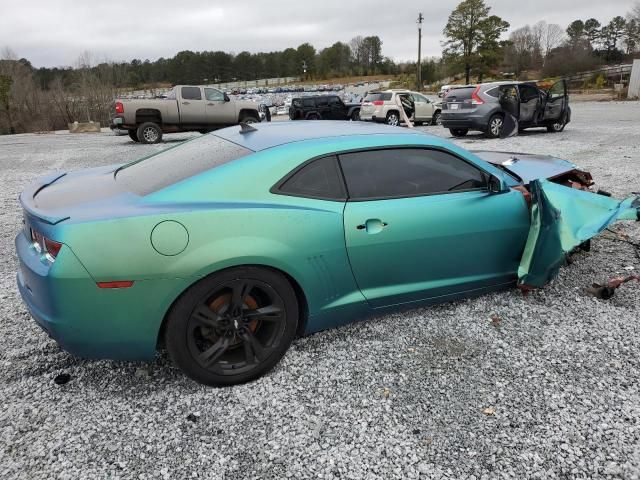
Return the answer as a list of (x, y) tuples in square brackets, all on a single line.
[(192, 106), (423, 108), (337, 109), (556, 102), (529, 102), (218, 110), (421, 223)]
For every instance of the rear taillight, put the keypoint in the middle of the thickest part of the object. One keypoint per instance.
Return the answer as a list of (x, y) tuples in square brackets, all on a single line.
[(119, 107), (475, 99), (378, 102), (45, 246)]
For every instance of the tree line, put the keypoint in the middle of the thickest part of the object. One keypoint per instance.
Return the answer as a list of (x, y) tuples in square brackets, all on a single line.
[(33, 99), (474, 44)]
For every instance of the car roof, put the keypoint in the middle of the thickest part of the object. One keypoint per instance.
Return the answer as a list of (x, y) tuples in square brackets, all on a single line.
[(272, 134)]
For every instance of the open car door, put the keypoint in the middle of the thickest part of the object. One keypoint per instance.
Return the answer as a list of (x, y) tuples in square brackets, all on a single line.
[(557, 102)]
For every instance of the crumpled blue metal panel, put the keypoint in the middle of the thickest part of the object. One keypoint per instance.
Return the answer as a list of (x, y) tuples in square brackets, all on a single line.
[(561, 219)]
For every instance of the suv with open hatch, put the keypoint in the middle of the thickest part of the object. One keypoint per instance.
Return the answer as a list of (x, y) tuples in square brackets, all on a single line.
[(478, 107)]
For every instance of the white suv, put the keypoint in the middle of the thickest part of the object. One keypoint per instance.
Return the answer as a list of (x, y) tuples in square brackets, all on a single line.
[(383, 107)]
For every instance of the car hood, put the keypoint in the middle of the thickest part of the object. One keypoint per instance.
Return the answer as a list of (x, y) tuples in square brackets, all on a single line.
[(528, 167)]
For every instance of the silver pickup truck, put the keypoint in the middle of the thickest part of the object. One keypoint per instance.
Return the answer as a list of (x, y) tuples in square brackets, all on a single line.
[(186, 108)]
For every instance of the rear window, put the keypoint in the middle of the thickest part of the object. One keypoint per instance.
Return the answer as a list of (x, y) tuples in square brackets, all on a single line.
[(179, 163), (460, 94), (373, 97)]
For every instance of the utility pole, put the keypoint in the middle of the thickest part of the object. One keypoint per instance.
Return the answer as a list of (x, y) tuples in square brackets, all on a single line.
[(419, 72)]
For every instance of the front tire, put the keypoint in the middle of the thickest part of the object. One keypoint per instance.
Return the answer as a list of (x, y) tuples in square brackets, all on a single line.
[(355, 116), (233, 326), (436, 119), (149, 132), (556, 127), (133, 135)]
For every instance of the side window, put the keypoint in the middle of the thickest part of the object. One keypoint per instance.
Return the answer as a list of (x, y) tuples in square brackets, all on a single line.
[(557, 90), (527, 93), (191, 93), (407, 172), (318, 179), (493, 92), (308, 102), (334, 101), (322, 102), (213, 95), (419, 98)]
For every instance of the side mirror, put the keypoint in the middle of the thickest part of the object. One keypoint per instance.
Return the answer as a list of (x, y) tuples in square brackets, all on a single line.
[(226, 98), (494, 185)]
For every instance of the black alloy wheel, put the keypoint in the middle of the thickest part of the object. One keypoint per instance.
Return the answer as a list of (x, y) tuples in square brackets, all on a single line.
[(233, 327)]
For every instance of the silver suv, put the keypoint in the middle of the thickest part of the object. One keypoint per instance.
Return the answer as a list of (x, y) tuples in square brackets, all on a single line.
[(383, 107), (478, 107)]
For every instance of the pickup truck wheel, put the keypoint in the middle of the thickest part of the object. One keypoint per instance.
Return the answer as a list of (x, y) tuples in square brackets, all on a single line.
[(149, 132), (249, 119), (133, 135)]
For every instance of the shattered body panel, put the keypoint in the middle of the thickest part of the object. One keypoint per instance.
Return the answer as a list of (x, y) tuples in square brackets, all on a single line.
[(562, 218)]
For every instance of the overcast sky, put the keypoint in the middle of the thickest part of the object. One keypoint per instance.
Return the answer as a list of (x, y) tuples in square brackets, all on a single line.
[(55, 32)]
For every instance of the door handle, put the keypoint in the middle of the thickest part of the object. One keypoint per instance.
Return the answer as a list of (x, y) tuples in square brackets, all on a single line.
[(211, 104), (373, 225), (186, 103)]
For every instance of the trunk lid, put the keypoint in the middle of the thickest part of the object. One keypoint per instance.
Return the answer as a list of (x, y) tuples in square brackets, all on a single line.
[(61, 196)]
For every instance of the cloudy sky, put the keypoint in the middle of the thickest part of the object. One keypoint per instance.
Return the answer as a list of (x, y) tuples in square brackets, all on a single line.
[(55, 32)]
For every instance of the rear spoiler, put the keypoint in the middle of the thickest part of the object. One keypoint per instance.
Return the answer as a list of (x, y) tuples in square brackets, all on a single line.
[(29, 193)]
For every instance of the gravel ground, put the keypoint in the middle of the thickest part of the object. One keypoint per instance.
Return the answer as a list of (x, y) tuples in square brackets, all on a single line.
[(548, 391)]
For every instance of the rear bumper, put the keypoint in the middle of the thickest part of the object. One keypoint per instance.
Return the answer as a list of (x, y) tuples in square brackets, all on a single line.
[(83, 319), (372, 118), (471, 122)]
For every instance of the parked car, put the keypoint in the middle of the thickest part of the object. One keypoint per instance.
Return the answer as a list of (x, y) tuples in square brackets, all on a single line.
[(323, 107), (186, 108), (477, 107), (231, 244), (383, 107), (444, 89)]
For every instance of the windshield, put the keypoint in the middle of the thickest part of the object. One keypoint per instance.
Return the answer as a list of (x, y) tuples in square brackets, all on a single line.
[(178, 163)]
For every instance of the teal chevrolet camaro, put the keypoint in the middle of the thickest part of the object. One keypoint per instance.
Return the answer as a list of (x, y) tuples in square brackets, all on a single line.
[(229, 245)]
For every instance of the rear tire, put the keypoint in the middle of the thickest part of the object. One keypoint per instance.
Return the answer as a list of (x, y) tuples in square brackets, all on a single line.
[(133, 135), (313, 116), (249, 119), (232, 326), (393, 119), (494, 127), (149, 132), (459, 132)]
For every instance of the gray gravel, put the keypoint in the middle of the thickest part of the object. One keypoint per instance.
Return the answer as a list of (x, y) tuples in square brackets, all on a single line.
[(549, 391)]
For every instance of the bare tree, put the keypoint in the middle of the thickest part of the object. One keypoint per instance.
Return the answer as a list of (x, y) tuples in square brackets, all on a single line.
[(553, 38)]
